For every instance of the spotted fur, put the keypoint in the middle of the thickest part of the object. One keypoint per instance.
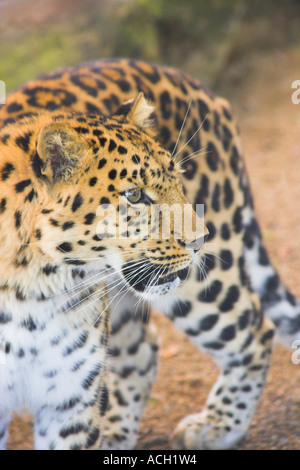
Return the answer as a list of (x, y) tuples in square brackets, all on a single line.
[(76, 138)]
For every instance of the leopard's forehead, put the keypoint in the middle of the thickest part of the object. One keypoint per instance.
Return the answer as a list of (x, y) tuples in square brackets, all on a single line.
[(127, 150)]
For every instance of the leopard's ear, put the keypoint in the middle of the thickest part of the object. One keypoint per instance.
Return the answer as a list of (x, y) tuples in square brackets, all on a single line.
[(137, 111), (59, 149)]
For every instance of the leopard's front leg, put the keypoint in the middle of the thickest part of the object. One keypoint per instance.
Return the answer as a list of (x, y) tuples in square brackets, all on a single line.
[(133, 351), (239, 341), (68, 381), (4, 422)]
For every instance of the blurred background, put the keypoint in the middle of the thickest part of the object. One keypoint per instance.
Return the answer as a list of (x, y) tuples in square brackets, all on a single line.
[(216, 40), (249, 52)]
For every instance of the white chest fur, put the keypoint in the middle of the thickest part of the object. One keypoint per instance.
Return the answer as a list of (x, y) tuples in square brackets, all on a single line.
[(48, 351)]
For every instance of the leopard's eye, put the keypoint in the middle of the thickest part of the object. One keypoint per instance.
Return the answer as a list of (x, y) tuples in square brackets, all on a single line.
[(134, 196)]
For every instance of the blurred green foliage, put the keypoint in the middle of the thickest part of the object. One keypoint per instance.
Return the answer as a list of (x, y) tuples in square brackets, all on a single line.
[(205, 38)]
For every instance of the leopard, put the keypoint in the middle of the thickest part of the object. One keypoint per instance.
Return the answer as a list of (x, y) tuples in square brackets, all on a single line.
[(75, 300)]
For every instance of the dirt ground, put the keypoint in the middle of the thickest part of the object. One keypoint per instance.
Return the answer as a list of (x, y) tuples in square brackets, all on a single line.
[(269, 124)]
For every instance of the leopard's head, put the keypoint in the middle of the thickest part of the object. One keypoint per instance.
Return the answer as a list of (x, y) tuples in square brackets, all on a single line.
[(104, 197)]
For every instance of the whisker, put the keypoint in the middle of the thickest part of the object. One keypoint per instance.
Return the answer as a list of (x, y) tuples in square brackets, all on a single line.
[(202, 151), (182, 126), (180, 150), (126, 287), (214, 254), (103, 271), (89, 284)]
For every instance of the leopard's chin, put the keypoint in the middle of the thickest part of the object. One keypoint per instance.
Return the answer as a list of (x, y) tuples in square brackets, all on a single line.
[(155, 294), (148, 284)]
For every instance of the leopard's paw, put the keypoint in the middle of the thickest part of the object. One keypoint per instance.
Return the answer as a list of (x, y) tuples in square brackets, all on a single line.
[(202, 431), (118, 442)]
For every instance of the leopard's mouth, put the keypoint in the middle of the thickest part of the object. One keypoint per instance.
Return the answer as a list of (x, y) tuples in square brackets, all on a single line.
[(144, 279)]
